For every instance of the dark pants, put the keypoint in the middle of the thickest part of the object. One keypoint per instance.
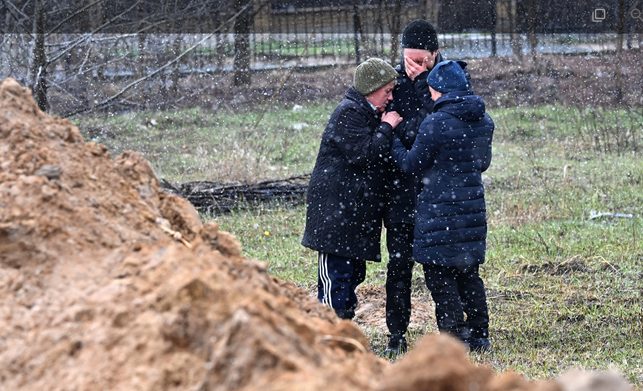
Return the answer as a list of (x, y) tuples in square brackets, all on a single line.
[(399, 241), (337, 279), (457, 291)]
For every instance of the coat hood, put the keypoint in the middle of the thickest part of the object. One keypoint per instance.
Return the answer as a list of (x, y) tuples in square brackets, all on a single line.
[(461, 104)]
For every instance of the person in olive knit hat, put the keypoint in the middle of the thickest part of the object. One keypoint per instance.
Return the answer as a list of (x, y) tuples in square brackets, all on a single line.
[(412, 100), (345, 196)]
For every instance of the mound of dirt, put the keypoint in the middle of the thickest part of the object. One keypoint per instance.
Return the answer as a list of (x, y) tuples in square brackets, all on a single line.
[(108, 283), (97, 295)]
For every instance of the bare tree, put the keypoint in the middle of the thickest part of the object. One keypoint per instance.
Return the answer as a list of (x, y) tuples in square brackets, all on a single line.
[(395, 27), (71, 43), (242, 42), (515, 21), (37, 76)]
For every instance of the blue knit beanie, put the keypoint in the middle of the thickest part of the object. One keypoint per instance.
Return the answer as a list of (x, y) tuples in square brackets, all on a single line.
[(447, 76)]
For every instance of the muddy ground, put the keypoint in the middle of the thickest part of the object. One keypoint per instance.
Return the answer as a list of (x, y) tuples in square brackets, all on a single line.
[(606, 80), (108, 283), (585, 80)]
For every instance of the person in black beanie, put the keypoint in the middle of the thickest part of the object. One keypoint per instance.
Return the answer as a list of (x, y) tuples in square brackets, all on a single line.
[(412, 100)]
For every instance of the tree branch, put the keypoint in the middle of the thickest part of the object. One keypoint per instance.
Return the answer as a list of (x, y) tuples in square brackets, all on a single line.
[(86, 36), (71, 16), (168, 64), (10, 5)]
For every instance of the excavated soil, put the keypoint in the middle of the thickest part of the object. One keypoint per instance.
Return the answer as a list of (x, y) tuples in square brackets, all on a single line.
[(371, 311), (107, 283)]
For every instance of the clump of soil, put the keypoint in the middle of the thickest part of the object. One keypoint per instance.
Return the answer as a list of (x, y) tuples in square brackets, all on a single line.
[(371, 311), (106, 282), (96, 294)]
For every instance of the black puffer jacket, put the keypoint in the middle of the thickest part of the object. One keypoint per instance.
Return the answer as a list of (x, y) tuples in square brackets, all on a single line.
[(451, 151), (346, 195)]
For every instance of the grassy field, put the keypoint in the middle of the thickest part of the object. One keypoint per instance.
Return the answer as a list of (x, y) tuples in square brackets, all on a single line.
[(222, 145), (565, 288)]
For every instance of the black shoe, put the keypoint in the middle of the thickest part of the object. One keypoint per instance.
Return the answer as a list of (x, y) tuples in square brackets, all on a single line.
[(345, 314), (479, 345), (396, 346)]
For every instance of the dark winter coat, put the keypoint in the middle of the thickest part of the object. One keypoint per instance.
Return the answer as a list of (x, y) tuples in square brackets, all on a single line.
[(452, 149), (346, 195), (412, 101)]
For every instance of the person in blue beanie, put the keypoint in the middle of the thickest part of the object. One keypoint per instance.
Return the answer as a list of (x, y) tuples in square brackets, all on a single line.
[(412, 100), (450, 152)]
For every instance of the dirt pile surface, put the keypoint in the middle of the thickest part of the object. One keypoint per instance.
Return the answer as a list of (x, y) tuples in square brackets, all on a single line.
[(97, 295), (107, 283)]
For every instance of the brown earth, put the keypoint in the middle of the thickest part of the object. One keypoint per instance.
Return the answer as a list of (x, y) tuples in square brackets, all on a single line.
[(371, 311), (107, 283)]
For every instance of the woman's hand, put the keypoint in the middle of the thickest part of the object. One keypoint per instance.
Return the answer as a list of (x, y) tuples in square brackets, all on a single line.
[(392, 118)]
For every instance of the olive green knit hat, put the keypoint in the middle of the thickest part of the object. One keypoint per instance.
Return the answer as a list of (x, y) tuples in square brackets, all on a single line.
[(373, 74)]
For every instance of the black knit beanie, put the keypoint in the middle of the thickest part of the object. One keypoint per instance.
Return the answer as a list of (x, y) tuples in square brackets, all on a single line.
[(420, 34)]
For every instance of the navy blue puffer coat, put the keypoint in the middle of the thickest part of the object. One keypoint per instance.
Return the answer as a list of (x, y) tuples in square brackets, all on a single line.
[(346, 196), (412, 101), (452, 149)]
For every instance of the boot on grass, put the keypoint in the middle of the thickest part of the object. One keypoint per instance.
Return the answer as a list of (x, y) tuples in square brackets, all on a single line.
[(479, 345), (397, 346)]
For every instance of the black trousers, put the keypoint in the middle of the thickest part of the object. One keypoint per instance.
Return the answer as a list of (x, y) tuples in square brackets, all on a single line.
[(399, 272), (458, 291), (337, 279)]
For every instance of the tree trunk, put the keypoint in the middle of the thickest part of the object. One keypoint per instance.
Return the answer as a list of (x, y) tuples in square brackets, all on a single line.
[(242, 43), (516, 22), (620, 26), (430, 11), (395, 27), (95, 80), (494, 20), (5, 47), (175, 72), (533, 40), (356, 32), (38, 68)]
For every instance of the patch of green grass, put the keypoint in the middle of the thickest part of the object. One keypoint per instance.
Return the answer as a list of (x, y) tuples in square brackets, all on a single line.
[(564, 291), (216, 145), (274, 236)]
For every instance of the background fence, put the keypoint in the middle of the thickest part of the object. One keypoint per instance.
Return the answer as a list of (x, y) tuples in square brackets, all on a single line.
[(49, 44)]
